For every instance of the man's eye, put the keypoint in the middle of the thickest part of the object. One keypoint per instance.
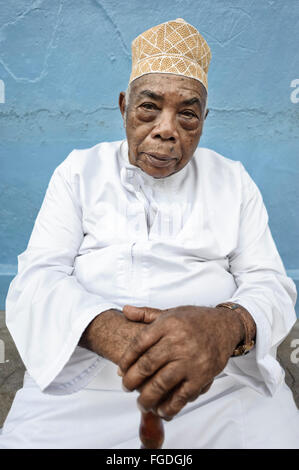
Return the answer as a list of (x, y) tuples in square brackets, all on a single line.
[(149, 106), (188, 114)]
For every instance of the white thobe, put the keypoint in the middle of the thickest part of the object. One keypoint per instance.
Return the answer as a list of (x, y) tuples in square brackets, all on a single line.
[(108, 235)]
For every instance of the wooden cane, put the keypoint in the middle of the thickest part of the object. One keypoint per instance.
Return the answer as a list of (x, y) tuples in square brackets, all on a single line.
[(151, 431)]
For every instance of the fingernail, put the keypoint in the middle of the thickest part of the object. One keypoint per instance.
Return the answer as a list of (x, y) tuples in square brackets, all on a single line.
[(163, 415), (141, 408), (125, 389), (160, 413), (119, 372)]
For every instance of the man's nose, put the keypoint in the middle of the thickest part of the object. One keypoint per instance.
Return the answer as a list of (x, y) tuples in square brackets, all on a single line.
[(166, 127)]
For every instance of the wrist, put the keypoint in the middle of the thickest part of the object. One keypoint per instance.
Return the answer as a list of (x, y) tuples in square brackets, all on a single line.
[(94, 332), (243, 328), (109, 334)]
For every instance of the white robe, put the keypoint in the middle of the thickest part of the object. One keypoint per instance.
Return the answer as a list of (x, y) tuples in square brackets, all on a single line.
[(108, 235)]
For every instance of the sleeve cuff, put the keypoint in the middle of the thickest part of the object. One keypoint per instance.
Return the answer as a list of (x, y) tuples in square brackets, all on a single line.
[(75, 367), (258, 369)]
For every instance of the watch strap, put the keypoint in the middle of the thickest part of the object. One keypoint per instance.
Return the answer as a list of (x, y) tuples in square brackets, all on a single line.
[(248, 343)]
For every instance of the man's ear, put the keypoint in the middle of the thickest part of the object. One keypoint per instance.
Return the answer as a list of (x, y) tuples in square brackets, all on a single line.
[(122, 103)]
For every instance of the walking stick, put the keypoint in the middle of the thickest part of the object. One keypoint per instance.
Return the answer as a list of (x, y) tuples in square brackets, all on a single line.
[(151, 431)]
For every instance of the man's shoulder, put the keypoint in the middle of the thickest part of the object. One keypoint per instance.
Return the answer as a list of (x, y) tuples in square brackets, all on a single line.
[(217, 167), (222, 172), (92, 159), (210, 158), (102, 152)]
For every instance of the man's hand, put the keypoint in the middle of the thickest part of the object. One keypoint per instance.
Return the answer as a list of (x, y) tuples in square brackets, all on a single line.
[(176, 357), (109, 334)]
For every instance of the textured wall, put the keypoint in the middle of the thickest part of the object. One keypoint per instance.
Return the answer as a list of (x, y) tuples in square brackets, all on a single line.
[(63, 63)]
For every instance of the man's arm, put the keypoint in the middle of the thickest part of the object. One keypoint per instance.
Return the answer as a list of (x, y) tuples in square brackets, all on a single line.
[(109, 334), (264, 289), (47, 309)]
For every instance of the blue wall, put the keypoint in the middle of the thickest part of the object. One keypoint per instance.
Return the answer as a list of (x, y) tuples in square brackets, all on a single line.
[(63, 63)]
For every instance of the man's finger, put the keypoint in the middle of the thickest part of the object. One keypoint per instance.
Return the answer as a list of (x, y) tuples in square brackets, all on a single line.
[(182, 395), (177, 400), (147, 365), (158, 387), (206, 387), (141, 314), (139, 345)]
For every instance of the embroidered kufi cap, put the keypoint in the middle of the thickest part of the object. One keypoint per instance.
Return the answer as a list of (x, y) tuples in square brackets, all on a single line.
[(172, 47)]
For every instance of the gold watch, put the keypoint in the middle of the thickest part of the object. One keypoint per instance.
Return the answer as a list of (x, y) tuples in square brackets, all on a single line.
[(248, 343)]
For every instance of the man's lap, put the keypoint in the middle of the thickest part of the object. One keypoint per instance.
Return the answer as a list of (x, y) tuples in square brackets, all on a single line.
[(229, 416)]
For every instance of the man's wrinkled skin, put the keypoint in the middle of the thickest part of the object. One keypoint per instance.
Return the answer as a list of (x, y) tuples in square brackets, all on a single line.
[(164, 118), (176, 358), (170, 356)]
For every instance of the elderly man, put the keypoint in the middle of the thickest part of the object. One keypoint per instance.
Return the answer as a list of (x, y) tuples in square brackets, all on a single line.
[(151, 268)]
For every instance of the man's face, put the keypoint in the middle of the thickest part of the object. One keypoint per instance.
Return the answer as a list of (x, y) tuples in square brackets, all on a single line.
[(164, 121)]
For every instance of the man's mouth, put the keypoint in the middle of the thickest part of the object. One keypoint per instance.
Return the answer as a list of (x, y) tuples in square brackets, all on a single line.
[(160, 160)]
